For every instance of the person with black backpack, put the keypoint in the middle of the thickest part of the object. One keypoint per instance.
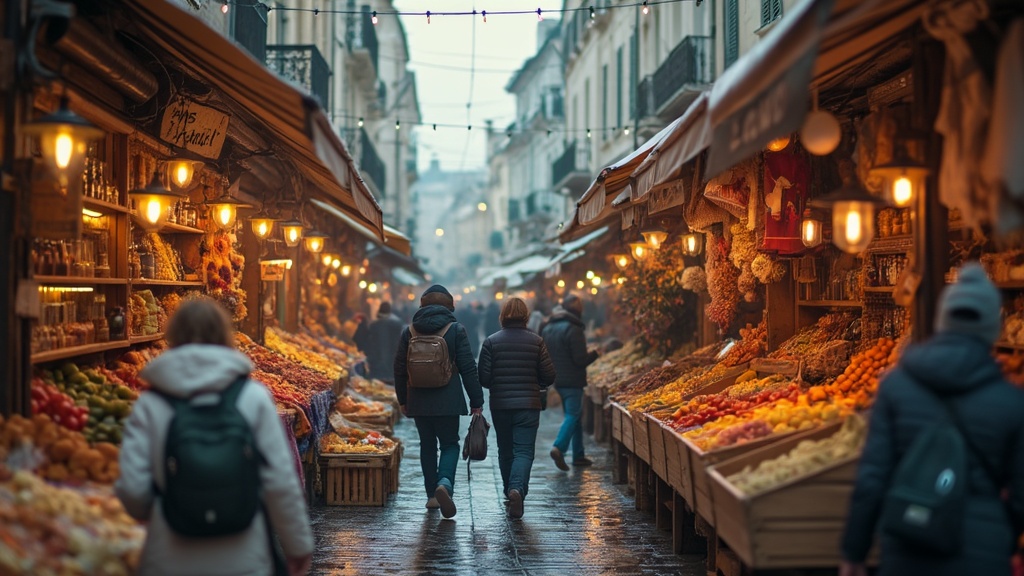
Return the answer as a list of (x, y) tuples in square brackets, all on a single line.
[(205, 460), (433, 364), (942, 471)]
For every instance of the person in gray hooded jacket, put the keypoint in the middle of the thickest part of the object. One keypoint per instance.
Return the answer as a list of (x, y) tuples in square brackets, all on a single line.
[(202, 360)]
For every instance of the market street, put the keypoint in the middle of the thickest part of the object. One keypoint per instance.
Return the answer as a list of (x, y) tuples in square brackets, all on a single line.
[(575, 523)]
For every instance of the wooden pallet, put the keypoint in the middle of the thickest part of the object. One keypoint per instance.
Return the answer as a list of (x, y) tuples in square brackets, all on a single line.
[(359, 479), (797, 524)]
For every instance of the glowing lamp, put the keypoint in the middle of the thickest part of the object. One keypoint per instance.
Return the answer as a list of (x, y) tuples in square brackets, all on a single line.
[(64, 138), (580, 284), (180, 173), (362, 284), (903, 178), (153, 204), (621, 260), (779, 144), (655, 236), (561, 284), (345, 270), (327, 259), (821, 133), (853, 218), (292, 231), (590, 274), (224, 211), (810, 229), (262, 225), (692, 244), (315, 241), (638, 250)]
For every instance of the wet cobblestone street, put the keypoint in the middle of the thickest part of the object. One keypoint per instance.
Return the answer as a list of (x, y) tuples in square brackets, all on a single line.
[(575, 523)]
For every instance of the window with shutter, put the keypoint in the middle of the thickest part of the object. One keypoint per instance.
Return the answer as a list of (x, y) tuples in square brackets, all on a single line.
[(732, 31), (771, 10), (618, 87)]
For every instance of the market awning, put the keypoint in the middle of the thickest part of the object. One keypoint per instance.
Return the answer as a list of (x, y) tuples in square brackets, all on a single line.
[(572, 250), (300, 130), (407, 277), (392, 238), (517, 272), (689, 135)]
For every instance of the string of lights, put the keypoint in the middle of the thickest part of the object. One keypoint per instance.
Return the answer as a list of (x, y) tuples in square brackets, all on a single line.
[(646, 7), (509, 132)]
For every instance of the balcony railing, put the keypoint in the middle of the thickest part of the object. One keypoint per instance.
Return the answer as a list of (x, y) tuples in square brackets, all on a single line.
[(645, 98), (687, 64), (362, 36), (371, 163), (304, 65), (570, 170)]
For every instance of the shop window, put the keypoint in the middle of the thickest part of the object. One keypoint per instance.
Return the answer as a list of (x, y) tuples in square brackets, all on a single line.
[(771, 10)]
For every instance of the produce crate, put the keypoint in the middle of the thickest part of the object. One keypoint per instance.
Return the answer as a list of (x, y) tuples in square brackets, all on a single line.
[(641, 437), (392, 472), (358, 479), (616, 421), (625, 426), (601, 424), (797, 524), (677, 466), (659, 447)]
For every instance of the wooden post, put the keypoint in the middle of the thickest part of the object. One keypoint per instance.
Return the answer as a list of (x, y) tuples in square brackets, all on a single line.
[(780, 308)]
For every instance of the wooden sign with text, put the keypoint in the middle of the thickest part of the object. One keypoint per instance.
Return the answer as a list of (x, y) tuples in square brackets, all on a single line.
[(194, 127)]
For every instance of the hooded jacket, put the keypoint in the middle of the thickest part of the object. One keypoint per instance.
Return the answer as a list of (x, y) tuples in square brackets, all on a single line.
[(382, 341), (447, 400), (515, 366), (567, 345), (961, 367), (191, 371)]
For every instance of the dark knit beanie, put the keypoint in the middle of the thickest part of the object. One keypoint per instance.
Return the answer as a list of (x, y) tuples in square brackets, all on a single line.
[(573, 304), (437, 294), (971, 306), (385, 308)]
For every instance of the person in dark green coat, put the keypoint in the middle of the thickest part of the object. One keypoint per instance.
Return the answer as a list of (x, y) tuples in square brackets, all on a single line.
[(437, 410), (955, 363)]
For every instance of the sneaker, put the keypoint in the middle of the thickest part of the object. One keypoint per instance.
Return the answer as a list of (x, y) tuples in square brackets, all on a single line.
[(582, 462), (556, 455), (432, 504), (515, 504), (445, 502)]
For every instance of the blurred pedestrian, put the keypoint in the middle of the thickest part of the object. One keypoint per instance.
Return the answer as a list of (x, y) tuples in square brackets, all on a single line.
[(382, 342), (468, 318), (516, 367), (491, 322), (436, 410), (567, 345), (203, 368), (361, 336), (951, 378), (538, 317)]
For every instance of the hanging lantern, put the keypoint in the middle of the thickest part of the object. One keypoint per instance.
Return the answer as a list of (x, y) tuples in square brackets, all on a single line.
[(655, 236), (853, 218), (180, 173), (821, 132), (64, 138), (692, 244), (292, 231), (621, 260), (904, 178), (638, 250), (153, 204), (336, 263), (262, 225), (345, 270), (810, 229), (224, 211), (315, 241), (779, 144)]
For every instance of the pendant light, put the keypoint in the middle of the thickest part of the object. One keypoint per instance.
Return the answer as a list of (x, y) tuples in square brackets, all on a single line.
[(224, 210), (853, 218), (181, 171), (638, 250), (810, 229), (903, 176), (692, 244), (262, 225), (779, 144), (621, 260), (292, 232), (655, 236), (153, 204), (314, 241), (64, 138), (821, 132)]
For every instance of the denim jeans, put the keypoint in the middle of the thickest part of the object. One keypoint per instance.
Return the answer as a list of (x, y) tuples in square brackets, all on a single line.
[(434, 431), (572, 426), (516, 431)]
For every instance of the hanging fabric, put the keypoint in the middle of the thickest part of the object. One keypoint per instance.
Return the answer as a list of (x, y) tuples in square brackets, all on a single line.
[(1001, 165), (786, 180)]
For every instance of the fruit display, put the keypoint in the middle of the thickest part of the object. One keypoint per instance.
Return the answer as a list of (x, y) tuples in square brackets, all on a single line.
[(108, 403), (753, 343), (307, 380), (48, 530), (61, 408), (806, 458), (275, 341), (709, 407), (127, 367), (54, 452), (857, 385), (780, 416), (374, 389), (365, 442), (613, 369), (1012, 366), (282, 390), (672, 394), (351, 403)]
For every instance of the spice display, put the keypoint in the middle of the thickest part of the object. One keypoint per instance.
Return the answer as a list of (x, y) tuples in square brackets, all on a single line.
[(166, 260), (276, 341), (146, 314)]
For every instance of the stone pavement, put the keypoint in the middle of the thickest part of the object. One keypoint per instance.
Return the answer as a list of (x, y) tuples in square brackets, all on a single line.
[(576, 522)]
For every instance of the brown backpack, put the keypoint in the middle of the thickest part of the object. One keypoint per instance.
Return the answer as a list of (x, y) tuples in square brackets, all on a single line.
[(427, 359)]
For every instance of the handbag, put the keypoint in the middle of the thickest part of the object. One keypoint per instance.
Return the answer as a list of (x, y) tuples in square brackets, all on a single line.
[(475, 446)]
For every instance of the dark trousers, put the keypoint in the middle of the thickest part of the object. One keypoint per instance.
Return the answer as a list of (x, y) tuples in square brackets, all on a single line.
[(443, 432), (516, 431)]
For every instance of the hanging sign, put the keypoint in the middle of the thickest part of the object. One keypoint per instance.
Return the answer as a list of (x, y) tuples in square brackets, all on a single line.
[(665, 196), (194, 127), (273, 271)]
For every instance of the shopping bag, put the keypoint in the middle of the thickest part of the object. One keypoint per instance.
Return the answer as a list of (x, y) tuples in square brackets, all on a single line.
[(475, 445)]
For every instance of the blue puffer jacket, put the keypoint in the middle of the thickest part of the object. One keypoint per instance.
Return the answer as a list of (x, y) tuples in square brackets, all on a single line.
[(991, 410), (447, 400)]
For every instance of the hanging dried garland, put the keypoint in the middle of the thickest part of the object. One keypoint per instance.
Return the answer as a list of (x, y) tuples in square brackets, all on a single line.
[(766, 270), (694, 279), (222, 267), (722, 280), (654, 298)]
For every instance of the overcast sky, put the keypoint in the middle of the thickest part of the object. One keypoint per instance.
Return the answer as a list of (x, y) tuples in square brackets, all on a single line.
[(441, 55)]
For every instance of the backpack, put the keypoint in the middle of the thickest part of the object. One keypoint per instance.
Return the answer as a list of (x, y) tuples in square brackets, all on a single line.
[(211, 467), (926, 502), (427, 359)]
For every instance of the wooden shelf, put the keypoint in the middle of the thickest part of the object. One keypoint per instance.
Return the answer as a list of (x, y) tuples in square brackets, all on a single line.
[(148, 282), (170, 228), (1007, 346), (879, 289), (104, 206), (73, 351), (830, 303), (144, 339), (83, 280), (1011, 285)]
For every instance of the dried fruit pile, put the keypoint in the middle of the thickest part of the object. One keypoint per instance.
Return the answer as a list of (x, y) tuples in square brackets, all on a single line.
[(280, 342)]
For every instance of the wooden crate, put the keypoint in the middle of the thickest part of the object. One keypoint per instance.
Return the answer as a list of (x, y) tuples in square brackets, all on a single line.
[(641, 437), (357, 479), (798, 524), (677, 465), (625, 425), (659, 459), (392, 472)]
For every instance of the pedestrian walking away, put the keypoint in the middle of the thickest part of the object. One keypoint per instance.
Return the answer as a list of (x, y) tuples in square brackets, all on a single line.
[(567, 345), (516, 367), (471, 320), (382, 341), (951, 382), (436, 405), (202, 369)]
